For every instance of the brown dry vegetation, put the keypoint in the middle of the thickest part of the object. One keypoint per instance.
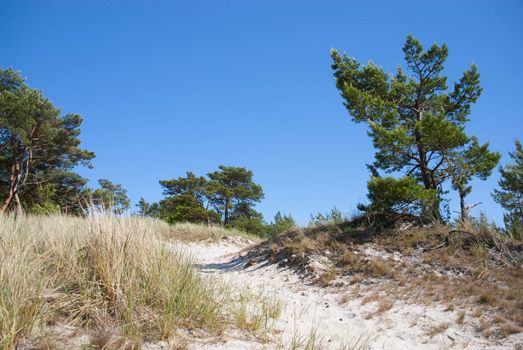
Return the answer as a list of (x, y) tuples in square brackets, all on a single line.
[(188, 232), (437, 329), (470, 269)]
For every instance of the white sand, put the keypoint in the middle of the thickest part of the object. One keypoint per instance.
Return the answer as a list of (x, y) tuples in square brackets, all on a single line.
[(312, 308)]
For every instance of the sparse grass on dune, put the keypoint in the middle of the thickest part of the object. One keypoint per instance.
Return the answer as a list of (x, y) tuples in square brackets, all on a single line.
[(314, 341), (105, 274), (189, 232), (474, 267)]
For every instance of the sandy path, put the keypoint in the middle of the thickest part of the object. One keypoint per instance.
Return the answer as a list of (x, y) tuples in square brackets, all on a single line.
[(311, 308)]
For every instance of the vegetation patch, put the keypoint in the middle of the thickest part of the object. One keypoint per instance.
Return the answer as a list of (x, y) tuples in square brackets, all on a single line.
[(188, 232), (112, 278), (461, 268)]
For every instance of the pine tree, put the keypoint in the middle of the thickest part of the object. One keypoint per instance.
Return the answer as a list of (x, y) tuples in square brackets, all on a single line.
[(37, 145), (111, 197), (233, 191), (510, 196), (472, 160), (415, 122)]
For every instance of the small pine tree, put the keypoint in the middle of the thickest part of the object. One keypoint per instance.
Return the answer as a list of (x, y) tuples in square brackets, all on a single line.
[(281, 224), (333, 217), (391, 197), (510, 196)]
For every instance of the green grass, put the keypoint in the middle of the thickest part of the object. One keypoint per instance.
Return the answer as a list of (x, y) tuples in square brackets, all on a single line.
[(100, 273), (313, 341)]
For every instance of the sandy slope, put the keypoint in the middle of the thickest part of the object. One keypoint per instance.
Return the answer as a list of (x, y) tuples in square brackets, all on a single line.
[(311, 308)]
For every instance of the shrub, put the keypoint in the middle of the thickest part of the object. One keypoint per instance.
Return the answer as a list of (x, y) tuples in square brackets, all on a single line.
[(252, 225), (391, 197), (333, 217), (281, 224)]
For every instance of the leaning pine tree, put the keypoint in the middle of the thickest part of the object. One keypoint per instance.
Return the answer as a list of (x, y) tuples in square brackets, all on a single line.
[(416, 123)]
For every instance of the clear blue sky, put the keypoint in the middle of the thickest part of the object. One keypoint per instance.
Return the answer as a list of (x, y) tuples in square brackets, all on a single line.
[(170, 86)]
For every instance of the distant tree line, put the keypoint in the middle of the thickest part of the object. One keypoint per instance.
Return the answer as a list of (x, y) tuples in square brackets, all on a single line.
[(226, 196), (416, 123)]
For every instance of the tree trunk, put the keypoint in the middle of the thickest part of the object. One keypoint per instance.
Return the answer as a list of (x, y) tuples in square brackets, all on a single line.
[(12, 194), (19, 210), (6, 202), (463, 207), (435, 212), (226, 212), (428, 182)]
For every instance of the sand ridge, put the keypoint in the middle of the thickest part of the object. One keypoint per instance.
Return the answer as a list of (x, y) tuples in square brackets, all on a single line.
[(336, 323)]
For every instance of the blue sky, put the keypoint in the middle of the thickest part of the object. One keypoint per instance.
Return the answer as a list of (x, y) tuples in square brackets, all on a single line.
[(170, 86)]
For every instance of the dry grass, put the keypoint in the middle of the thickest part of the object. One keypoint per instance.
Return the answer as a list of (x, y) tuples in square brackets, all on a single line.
[(483, 325), (384, 305), (379, 268), (462, 267), (257, 316), (449, 307), (370, 298), (188, 232), (313, 341), (344, 299), (487, 297), (509, 328), (113, 274), (435, 330), (326, 277), (350, 260), (461, 318)]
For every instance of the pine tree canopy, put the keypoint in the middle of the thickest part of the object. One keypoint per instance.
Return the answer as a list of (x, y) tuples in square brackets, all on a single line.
[(417, 124)]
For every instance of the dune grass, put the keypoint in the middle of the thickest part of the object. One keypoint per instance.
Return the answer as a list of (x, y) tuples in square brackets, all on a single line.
[(100, 274), (189, 232)]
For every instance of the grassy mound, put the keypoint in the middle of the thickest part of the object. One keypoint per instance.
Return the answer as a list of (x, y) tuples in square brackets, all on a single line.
[(473, 268), (111, 275)]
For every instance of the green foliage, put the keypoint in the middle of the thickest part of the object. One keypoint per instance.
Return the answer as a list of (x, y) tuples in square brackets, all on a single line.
[(392, 196), (244, 218), (472, 160), (195, 186), (233, 188), (146, 209), (415, 122), (280, 224), (510, 196), (38, 147), (254, 225), (46, 208), (186, 208), (110, 197), (65, 190), (226, 196), (333, 217), (42, 201), (187, 200)]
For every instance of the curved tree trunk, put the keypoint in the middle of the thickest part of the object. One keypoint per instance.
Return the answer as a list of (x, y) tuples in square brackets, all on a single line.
[(12, 193)]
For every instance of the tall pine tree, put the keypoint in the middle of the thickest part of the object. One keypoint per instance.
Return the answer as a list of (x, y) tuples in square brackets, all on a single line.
[(38, 146), (416, 123)]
